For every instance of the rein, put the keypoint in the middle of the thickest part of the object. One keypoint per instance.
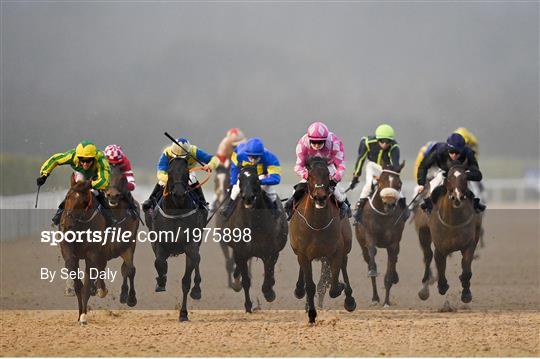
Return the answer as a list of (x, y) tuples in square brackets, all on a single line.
[(370, 199), (88, 207), (310, 226)]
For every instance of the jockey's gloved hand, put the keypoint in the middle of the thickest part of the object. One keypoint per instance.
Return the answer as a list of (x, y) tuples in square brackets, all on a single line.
[(41, 180), (333, 183), (354, 182)]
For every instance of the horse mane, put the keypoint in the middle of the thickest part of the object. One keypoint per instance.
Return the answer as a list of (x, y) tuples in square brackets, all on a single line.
[(314, 161), (81, 186)]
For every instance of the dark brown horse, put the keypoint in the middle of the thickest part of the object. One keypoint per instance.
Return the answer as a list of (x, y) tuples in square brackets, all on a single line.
[(380, 228), (453, 226), (318, 232), (267, 234), (126, 211)]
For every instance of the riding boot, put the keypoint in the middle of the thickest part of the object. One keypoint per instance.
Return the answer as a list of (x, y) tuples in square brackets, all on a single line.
[(272, 205), (478, 207), (359, 207), (402, 203), (228, 208), (133, 210), (343, 209), (427, 205), (152, 200), (299, 191), (105, 209), (58, 215), (349, 211)]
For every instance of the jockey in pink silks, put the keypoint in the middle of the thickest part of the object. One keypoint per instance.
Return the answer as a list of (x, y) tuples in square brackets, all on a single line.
[(319, 141)]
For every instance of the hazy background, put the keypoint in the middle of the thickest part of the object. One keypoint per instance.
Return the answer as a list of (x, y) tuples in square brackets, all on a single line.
[(125, 72)]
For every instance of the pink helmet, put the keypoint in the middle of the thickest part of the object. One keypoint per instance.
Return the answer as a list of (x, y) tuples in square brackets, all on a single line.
[(114, 154), (317, 131)]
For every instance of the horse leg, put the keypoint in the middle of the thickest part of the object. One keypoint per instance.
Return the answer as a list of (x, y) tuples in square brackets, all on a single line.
[(237, 283), (305, 264), (229, 263), (269, 280), (241, 264), (161, 267), (336, 262), (196, 290), (391, 277), (300, 290), (425, 244), (375, 297), (100, 283), (324, 282), (440, 261), (192, 261), (128, 271), (350, 303), (84, 295), (465, 277), (72, 264)]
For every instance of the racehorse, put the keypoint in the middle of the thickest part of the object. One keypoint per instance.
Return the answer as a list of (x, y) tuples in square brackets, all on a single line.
[(178, 211), (379, 228), (126, 211), (317, 232), (453, 226), (263, 235)]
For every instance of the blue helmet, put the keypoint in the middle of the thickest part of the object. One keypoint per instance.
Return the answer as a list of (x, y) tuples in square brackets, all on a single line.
[(254, 147), (455, 142)]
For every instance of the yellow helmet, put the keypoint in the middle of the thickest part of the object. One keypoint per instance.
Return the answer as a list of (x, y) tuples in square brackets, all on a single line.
[(180, 151), (86, 149), (470, 139)]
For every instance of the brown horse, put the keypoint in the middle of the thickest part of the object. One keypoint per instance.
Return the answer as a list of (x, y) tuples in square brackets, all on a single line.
[(379, 229), (81, 213), (126, 211), (267, 233), (318, 232), (453, 226)]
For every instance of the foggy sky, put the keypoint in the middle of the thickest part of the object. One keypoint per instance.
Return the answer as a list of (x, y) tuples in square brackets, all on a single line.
[(125, 72)]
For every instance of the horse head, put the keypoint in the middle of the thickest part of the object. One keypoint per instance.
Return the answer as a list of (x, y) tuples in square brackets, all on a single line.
[(118, 186), (318, 181), (78, 199), (456, 184), (389, 183), (178, 180), (250, 186)]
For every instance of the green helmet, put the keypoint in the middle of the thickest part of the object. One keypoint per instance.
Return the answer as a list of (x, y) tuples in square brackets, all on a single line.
[(384, 131)]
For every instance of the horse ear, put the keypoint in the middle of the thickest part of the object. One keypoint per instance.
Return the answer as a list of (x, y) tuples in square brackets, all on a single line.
[(87, 185), (466, 162), (401, 166)]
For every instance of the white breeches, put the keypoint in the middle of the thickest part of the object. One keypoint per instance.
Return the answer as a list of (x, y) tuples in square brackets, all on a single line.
[(372, 170), (434, 177), (270, 190)]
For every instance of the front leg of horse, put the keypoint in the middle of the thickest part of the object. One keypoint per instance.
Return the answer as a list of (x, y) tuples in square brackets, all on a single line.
[(161, 267), (440, 261), (336, 262), (196, 290), (465, 277), (72, 265), (350, 302), (100, 283), (375, 297), (425, 244), (269, 280), (84, 297), (229, 263), (300, 290), (241, 264), (192, 261), (391, 277), (128, 294), (306, 266)]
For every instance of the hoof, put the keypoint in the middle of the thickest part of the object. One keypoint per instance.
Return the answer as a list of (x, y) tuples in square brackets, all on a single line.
[(350, 304), (123, 297), (160, 288), (183, 318), (443, 288), (424, 293), (372, 273), (374, 303), (69, 292), (83, 320), (466, 296), (270, 295), (248, 307), (386, 305), (195, 293), (312, 314), (131, 302), (299, 292), (336, 292), (92, 290), (102, 293), (236, 285)]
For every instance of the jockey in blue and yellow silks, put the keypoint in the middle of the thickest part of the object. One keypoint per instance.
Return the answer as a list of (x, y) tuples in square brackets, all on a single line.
[(175, 150), (88, 163), (253, 153)]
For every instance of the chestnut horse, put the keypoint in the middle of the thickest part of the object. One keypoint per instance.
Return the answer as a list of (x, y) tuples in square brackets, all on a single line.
[(317, 232), (453, 226)]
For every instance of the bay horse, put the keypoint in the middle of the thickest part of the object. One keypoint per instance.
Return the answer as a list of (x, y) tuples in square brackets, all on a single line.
[(379, 229), (453, 226), (178, 211), (126, 211), (82, 213), (268, 234), (318, 232)]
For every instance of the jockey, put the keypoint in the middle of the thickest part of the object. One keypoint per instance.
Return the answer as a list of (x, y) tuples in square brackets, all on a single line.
[(88, 163), (227, 145), (476, 187), (253, 153), (319, 141), (192, 154), (117, 157), (376, 150), (436, 162)]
